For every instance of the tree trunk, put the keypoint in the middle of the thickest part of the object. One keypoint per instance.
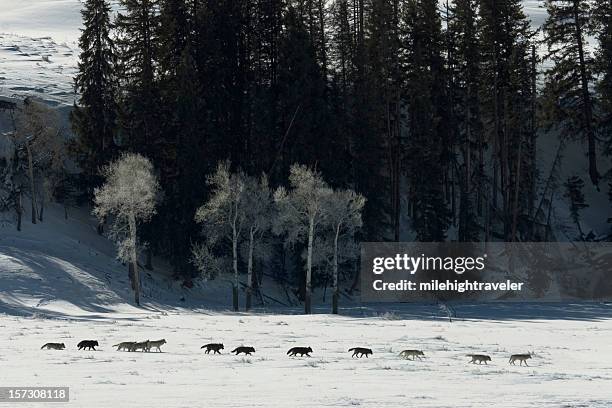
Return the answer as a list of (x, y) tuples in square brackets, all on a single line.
[(550, 207), (249, 291), (19, 210), (149, 263), (42, 208), (532, 142), (308, 293), (587, 104), (235, 266), (134, 259), (31, 174), (515, 204), (336, 293)]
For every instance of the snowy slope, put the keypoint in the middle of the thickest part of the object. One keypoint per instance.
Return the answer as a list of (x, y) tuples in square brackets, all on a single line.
[(63, 267), (39, 48)]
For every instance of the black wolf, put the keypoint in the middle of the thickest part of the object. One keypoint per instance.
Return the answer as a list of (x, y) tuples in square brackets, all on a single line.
[(243, 349), (215, 347), (299, 350), (88, 344), (360, 351)]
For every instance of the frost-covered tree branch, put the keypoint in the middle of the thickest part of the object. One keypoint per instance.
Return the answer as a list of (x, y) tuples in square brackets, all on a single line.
[(222, 217), (301, 210), (259, 211), (343, 218), (129, 194)]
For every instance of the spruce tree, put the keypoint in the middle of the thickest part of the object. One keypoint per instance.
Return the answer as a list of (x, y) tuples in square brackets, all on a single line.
[(425, 90), (569, 83), (464, 74), (304, 121), (94, 118), (138, 45), (381, 105), (505, 46), (604, 67)]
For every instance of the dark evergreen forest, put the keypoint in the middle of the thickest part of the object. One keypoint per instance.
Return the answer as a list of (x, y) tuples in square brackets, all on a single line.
[(430, 110)]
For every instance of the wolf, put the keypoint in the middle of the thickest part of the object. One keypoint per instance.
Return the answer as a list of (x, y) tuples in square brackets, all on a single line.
[(143, 345), (126, 345), (243, 349), (54, 346), (299, 350), (157, 344), (522, 358), (88, 344), (412, 353), (215, 347), (478, 357), (360, 351)]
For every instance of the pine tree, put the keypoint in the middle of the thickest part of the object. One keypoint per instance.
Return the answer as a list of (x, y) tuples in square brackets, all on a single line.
[(505, 43), (94, 119), (464, 76), (383, 99), (425, 90), (138, 46), (603, 15), (177, 84), (569, 99), (303, 114)]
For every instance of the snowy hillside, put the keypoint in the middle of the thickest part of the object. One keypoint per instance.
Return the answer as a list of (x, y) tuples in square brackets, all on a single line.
[(39, 48), (64, 268)]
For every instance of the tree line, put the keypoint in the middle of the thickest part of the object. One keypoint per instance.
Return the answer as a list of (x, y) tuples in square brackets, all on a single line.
[(431, 112)]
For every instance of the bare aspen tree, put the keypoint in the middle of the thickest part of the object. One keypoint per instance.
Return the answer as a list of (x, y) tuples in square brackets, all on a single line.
[(301, 213), (222, 216), (129, 194), (343, 218), (258, 220), (37, 132)]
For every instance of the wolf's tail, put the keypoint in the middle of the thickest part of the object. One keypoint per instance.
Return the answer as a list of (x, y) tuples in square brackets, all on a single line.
[(351, 349), (234, 350), (289, 352), (44, 346)]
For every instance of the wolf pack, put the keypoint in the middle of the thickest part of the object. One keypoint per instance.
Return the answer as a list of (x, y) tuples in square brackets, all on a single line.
[(215, 348)]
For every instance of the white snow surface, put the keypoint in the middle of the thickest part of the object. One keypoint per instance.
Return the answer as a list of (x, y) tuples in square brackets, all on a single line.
[(39, 48), (570, 368)]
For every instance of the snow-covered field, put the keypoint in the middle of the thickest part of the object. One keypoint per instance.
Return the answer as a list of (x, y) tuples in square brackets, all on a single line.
[(571, 367)]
